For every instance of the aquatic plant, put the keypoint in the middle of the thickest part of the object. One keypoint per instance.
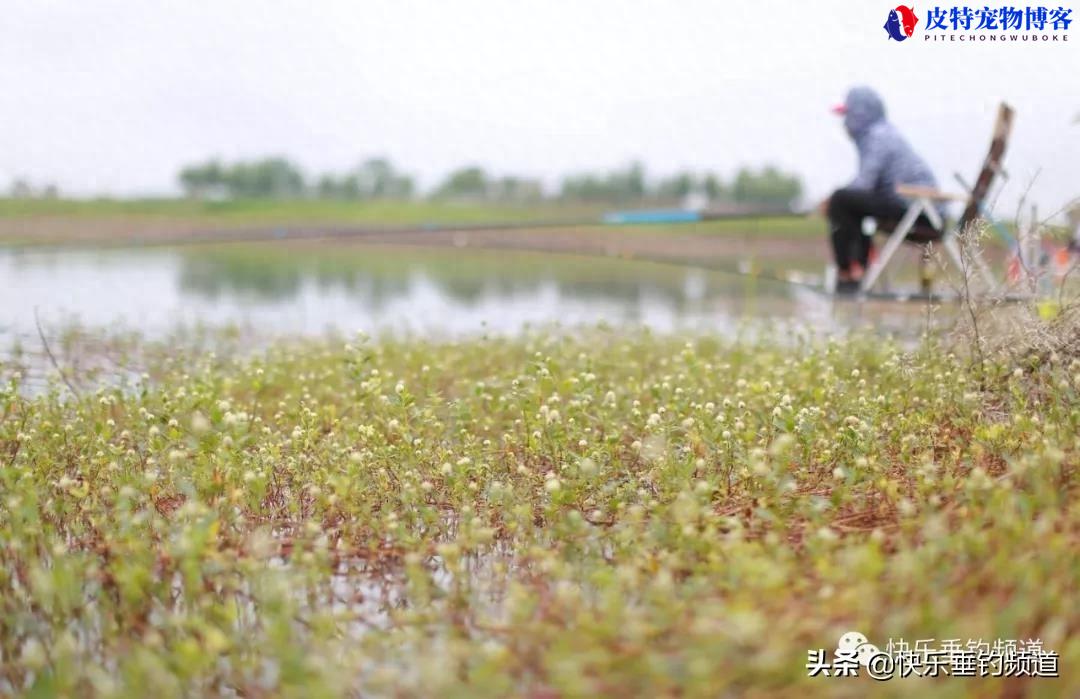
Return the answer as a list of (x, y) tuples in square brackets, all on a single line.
[(600, 513)]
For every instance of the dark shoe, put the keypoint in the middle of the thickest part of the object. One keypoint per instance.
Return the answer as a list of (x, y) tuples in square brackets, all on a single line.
[(848, 287)]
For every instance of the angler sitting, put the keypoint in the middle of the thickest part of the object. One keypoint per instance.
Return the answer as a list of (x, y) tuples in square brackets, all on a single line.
[(885, 161)]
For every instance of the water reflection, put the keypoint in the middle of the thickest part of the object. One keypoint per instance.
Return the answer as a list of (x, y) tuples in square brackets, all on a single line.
[(379, 279), (286, 290), (283, 290)]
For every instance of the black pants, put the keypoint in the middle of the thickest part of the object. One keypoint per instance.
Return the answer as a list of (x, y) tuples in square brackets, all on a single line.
[(848, 208)]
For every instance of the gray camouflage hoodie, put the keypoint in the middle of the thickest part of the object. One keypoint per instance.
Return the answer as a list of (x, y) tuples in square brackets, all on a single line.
[(885, 158)]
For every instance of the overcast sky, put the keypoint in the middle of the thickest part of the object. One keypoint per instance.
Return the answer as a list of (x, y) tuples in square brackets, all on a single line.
[(113, 96)]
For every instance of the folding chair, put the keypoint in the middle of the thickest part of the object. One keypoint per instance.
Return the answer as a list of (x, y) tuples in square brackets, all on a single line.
[(924, 200)]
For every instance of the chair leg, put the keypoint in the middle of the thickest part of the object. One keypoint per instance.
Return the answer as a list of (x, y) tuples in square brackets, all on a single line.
[(883, 281), (891, 246)]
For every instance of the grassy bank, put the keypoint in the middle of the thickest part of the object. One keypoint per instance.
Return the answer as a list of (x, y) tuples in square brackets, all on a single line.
[(270, 212), (37, 220), (548, 516)]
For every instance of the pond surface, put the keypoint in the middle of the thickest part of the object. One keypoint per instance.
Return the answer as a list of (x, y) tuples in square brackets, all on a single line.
[(270, 290), (284, 290)]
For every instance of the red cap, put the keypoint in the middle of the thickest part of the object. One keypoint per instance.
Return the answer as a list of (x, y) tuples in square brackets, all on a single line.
[(840, 109)]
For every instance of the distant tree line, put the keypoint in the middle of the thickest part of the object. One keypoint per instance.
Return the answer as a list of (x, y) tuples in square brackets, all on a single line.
[(474, 184), (280, 178), (21, 188), (377, 178), (767, 186)]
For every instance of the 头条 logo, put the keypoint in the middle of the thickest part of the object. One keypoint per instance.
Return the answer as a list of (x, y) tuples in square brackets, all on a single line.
[(901, 22)]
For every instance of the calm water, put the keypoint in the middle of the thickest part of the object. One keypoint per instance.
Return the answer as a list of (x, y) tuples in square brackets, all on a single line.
[(275, 290)]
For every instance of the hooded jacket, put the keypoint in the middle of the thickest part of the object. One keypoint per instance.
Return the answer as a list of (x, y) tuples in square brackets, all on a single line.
[(885, 158)]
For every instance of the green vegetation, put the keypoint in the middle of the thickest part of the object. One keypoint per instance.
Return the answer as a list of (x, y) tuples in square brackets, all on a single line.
[(768, 187), (242, 212), (598, 514), (273, 177), (474, 184), (376, 178), (28, 220), (57, 220), (278, 178)]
